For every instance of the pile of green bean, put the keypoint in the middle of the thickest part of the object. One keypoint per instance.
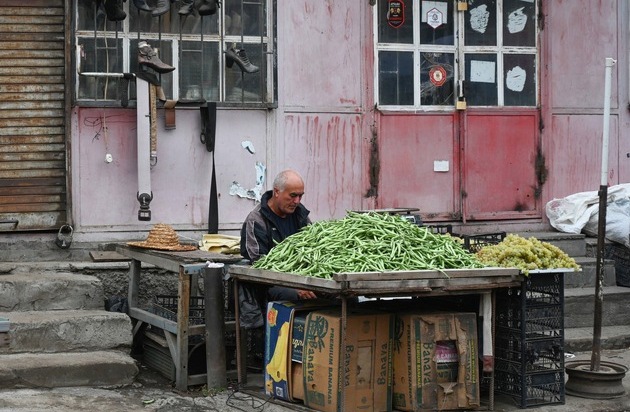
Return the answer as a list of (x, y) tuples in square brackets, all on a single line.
[(365, 242)]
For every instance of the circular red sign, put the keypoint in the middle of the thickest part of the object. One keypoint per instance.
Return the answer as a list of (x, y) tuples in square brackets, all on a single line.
[(437, 75)]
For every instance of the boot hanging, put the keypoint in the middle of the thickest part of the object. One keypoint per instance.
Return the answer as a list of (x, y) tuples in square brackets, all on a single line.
[(142, 5), (238, 56), (208, 7), (147, 56), (162, 7), (114, 10), (186, 7)]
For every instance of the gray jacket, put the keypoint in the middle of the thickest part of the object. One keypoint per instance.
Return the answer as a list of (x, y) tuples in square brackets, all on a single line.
[(259, 233)]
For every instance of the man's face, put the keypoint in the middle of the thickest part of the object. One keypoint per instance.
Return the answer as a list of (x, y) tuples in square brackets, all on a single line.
[(288, 199)]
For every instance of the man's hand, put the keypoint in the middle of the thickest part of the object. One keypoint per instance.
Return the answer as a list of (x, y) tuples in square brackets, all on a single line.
[(306, 294)]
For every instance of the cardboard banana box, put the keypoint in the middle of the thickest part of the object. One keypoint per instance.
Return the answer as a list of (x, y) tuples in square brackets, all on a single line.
[(283, 346), (351, 374), (435, 362)]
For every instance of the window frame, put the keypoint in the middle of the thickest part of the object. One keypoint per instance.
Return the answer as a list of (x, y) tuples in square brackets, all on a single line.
[(460, 50), (269, 99)]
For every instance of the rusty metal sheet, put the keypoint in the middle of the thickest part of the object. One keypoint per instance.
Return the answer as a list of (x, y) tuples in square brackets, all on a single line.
[(32, 115)]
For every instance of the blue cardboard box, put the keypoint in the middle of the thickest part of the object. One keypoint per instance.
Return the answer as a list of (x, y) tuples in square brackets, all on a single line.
[(284, 339)]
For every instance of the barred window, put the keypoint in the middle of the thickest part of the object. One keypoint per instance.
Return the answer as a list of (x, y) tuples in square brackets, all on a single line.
[(430, 54), (226, 56)]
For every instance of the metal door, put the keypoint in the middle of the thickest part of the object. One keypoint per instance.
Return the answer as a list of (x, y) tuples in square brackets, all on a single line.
[(464, 142), (502, 166), (32, 115)]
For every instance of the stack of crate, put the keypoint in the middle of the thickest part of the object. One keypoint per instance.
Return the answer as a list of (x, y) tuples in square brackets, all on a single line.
[(529, 340)]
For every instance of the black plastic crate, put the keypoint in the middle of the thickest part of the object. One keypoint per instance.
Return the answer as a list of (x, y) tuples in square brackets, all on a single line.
[(620, 254), (517, 297), (166, 307), (473, 243), (536, 307), (544, 288), (533, 322), (534, 389), (530, 355), (529, 340)]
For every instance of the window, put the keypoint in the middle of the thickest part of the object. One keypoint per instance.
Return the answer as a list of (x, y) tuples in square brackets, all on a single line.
[(429, 54), (195, 45)]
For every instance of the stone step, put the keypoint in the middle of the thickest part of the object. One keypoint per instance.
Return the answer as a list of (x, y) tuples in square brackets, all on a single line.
[(581, 339), (67, 331), (37, 290), (579, 304), (587, 276), (42, 247), (54, 370)]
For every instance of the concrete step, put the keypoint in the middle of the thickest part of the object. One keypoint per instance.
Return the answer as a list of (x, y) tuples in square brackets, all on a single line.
[(35, 290), (587, 276), (579, 304), (581, 339), (67, 331), (53, 370), (42, 247)]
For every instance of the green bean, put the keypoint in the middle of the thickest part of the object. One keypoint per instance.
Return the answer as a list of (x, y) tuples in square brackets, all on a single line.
[(365, 242)]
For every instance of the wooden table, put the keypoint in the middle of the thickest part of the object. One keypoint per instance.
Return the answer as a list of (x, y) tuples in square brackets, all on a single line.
[(189, 265), (421, 283)]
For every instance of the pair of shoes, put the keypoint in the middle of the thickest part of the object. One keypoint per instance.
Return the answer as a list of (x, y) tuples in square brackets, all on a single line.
[(208, 7), (239, 57), (147, 56), (114, 10), (142, 5)]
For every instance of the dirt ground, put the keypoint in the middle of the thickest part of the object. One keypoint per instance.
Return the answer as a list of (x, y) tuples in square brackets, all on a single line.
[(152, 392)]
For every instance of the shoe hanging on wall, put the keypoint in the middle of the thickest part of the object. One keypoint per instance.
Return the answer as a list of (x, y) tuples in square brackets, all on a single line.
[(147, 56), (114, 10), (186, 7), (208, 7), (239, 57), (162, 7), (142, 5)]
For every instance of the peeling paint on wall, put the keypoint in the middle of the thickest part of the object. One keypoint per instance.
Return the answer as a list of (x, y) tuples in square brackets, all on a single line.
[(375, 166), (254, 193), (249, 146)]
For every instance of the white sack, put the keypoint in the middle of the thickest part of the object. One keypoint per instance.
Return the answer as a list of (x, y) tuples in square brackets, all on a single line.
[(572, 213)]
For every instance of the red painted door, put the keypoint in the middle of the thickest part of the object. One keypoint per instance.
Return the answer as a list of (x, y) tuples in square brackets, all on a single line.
[(501, 169), (458, 131)]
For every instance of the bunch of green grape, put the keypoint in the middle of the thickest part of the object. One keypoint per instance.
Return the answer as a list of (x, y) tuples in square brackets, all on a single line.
[(526, 254)]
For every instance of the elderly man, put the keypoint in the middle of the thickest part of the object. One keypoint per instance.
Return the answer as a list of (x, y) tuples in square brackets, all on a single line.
[(279, 215)]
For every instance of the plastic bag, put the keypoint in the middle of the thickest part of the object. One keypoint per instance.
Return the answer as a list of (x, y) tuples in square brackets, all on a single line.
[(249, 300), (617, 222), (579, 213), (572, 213)]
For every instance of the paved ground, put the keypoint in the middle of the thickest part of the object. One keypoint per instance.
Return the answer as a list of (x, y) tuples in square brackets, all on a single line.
[(151, 392)]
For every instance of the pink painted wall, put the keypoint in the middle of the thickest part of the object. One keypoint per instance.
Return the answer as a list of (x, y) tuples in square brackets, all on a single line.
[(325, 126), (579, 36), (319, 128), (105, 193)]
